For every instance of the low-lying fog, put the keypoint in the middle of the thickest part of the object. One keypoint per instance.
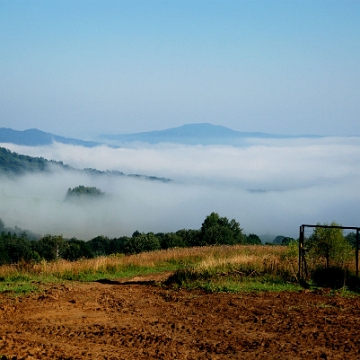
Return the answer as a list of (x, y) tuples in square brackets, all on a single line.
[(269, 186)]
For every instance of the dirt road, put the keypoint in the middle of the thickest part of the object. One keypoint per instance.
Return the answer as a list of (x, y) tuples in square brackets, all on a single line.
[(137, 320)]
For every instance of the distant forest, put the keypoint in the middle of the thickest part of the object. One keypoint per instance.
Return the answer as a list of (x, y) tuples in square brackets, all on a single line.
[(82, 190)]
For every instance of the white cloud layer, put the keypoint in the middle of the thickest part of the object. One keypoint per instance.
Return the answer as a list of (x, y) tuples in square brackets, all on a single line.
[(269, 186)]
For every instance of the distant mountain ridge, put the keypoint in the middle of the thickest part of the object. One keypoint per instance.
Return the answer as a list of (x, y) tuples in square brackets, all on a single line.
[(35, 137), (192, 134), (189, 134)]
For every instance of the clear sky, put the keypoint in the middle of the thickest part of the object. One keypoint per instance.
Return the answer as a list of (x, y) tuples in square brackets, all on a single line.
[(82, 68)]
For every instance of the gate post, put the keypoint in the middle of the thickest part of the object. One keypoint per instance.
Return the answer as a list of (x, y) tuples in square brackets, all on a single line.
[(357, 254), (301, 254)]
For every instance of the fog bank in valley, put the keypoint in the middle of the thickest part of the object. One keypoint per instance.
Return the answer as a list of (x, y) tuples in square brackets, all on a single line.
[(269, 186)]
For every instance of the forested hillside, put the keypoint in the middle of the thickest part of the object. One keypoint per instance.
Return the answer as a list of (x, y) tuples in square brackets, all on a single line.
[(12, 163)]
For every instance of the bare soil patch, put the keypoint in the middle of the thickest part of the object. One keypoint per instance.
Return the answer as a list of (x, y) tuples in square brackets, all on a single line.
[(136, 319)]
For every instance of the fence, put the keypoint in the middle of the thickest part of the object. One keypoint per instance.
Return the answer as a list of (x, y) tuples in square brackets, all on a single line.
[(305, 234)]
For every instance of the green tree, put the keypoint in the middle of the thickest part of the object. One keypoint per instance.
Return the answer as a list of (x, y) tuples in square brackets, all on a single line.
[(219, 230), (170, 240), (117, 245), (351, 239), (4, 256), (287, 240), (278, 240), (100, 245), (190, 237), (81, 190), (253, 239), (13, 249), (49, 247), (283, 240), (75, 249), (2, 226), (136, 233), (72, 252), (330, 244), (140, 243)]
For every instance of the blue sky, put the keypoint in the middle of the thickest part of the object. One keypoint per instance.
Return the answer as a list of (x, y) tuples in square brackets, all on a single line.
[(83, 68)]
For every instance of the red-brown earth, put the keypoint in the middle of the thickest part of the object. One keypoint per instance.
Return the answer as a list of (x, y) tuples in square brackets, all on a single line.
[(139, 319)]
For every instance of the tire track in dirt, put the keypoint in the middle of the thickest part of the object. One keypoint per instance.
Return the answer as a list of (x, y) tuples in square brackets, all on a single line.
[(127, 320)]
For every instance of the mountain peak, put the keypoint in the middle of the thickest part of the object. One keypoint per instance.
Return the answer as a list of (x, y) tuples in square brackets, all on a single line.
[(204, 130), (190, 134)]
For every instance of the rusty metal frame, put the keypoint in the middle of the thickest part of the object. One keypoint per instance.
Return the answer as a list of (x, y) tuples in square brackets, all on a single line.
[(302, 273)]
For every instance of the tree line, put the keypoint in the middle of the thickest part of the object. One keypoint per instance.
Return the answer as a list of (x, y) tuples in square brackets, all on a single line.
[(215, 230), (17, 244)]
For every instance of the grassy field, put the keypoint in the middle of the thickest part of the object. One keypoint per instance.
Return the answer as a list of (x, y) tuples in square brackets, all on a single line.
[(215, 268)]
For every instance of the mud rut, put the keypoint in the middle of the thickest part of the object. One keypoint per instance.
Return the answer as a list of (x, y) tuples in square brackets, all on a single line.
[(139, 320)]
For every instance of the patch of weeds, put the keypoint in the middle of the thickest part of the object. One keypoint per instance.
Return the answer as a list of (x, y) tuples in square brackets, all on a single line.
[(346, 293), (206, 281), (254, 286), (17, 278), (18, 288), (23, 285), (259, 286)]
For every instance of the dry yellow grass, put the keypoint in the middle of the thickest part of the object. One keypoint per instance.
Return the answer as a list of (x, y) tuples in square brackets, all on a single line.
[(258, 257), (271, 260)]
